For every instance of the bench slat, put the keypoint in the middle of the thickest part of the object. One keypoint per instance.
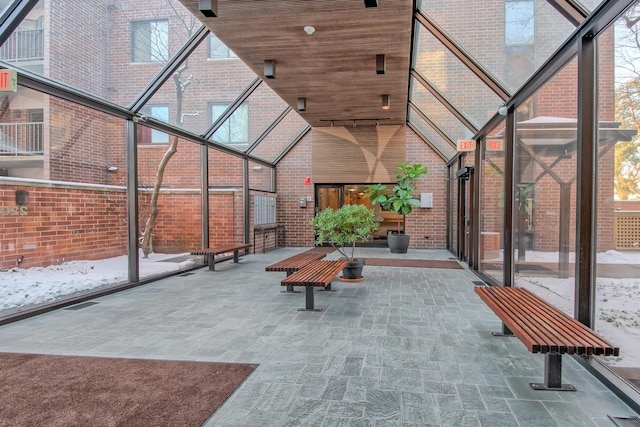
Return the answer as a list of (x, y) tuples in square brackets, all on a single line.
[(295, 262), (317, 273), (541, 327), (221, 249)]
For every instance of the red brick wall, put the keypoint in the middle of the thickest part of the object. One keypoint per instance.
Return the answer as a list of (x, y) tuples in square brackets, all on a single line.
[(62, 222)]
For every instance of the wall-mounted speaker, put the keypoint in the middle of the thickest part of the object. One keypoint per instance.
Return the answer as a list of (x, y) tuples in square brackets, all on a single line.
[(370, 3)]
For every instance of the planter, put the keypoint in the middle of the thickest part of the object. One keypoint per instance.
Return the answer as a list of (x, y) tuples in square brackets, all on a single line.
[(353, 270), (398, 243)]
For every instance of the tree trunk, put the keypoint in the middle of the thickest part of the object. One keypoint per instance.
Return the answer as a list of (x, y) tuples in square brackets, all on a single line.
[(147, 236)]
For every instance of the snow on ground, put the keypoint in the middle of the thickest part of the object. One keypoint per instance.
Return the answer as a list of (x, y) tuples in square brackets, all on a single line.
[(21, 287)]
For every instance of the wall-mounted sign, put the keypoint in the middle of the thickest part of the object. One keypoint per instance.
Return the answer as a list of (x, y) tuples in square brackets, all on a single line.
[(8, 81), (13, 210), (466, 145), (495, 145)]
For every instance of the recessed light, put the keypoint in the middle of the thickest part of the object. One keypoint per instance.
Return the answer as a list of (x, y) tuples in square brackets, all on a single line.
[(309, 29)]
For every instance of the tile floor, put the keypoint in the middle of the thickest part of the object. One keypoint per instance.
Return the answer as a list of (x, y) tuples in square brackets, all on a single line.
[(405, 347)]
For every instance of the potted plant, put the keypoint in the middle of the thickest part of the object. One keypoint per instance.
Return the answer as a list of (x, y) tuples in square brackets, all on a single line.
[(399, 200), (343, 227)]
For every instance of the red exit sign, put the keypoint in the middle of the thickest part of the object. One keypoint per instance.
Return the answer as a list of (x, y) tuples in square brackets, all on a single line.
[(495, 145), (8, 81), (466, 145)]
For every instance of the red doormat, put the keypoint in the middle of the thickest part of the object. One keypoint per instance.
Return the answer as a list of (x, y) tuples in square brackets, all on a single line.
[(42, 390), (416, 263)]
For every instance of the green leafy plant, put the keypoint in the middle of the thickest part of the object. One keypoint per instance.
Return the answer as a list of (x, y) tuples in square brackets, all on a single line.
[(344, 226), (400, 199)]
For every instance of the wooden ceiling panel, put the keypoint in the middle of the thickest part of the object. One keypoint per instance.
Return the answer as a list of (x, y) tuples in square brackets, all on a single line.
[(334, 68)]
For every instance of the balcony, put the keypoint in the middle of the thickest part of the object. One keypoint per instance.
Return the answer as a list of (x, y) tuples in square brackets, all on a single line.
[(21, 139), (23, 45)]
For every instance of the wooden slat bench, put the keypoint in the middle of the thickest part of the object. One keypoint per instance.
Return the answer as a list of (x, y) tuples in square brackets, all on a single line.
[(316, 274), (294, 263), (542, 328), (217, 250)]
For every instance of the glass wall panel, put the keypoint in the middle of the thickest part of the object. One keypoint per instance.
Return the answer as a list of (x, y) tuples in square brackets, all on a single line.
[(261, 177), (517, 36), (437, 113), (453, 79), (280, 137), (62, 201), (492, 204), (442, 145), (203, 88), (249, 120), (109, 49), (226, 208), (177, 196), (617, 314), (545, 193)]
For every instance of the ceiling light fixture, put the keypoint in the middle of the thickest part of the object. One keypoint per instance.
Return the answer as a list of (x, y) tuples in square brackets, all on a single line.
[(302, 104), (209, 8), (386, 102), (381, 64), (270, 69), (309, 29)]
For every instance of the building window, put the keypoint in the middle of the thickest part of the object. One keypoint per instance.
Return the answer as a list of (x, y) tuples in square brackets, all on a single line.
[(235, 130), (150, 41), (146, 135), (218, 50), (519, 35)]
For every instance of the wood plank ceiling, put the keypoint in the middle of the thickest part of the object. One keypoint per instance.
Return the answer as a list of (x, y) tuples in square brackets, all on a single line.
[(333, 68)]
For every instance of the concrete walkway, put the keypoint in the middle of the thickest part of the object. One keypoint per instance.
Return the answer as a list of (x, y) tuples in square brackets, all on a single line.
[(405, 347)]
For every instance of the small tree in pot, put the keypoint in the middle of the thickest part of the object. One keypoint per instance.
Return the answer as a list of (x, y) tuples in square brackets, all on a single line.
[(343, 227), (399, 200)]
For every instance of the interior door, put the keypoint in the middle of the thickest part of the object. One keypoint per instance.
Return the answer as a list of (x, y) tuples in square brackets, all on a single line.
[(328, 196)]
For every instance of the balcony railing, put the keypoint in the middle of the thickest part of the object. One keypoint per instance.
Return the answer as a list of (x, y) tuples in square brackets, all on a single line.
[(23, 45), (21, 139)]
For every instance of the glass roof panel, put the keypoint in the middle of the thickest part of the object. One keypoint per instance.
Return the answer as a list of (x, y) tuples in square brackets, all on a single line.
[(515, 36), (280, 137), (437, 113), (453, 79), (250, 120), (4, 5), (115, 50), (205, 84), (443, 146)]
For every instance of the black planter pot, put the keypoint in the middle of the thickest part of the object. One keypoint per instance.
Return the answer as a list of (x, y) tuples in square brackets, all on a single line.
[(353, 270), (398, 243)]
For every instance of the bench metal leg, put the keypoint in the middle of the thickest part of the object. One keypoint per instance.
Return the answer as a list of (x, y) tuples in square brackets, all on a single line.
[(236, 257), (211, 260), (552, 375), (309, 300), (506, 332)]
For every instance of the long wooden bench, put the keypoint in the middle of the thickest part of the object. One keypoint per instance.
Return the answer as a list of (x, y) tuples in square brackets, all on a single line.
[(222, 249), (316, 274), (543, 328), (294, 263)]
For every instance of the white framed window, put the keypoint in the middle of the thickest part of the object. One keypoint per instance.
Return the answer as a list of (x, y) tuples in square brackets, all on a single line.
[(146, 135), (235, 130), (150, 41), (218, 50)]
